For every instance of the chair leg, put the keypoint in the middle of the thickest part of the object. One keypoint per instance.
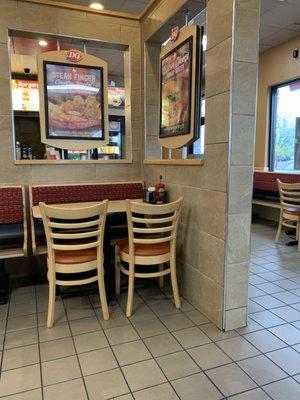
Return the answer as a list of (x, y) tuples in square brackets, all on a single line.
[(174, 283), (130, 291), (117, 271), (279, 228), (161, 278), (51, 303), (102, 295)]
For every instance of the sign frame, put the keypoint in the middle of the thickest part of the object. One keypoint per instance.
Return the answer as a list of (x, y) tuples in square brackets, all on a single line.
[(59, 57), (192, 35)]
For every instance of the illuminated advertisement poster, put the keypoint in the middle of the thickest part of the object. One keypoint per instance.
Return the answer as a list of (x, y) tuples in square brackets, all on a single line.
[(73, 101), (175, 90), (25, 95), (116, 97)]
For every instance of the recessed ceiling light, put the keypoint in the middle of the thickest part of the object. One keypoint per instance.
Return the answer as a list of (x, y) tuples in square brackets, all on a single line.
[(43, 43), (96, 6)]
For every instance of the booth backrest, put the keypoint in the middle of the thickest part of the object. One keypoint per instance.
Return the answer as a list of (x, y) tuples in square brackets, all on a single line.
[(78, 193), (267, 180), (11, 204)]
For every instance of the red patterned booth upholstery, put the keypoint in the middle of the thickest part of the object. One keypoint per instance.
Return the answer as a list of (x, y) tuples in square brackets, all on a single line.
[(84, 193), (11, 204), (267, 180), (76, 193), (13, 235), (265, 188)]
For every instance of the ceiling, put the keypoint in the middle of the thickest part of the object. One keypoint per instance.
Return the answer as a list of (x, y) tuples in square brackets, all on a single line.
[(130, 6), (280, 21), (24, 51)]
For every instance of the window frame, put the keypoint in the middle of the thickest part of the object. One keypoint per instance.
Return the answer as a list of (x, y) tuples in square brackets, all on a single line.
[(272, 112)]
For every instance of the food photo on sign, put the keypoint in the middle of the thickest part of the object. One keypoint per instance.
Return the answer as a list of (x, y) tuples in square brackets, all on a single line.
[(116, 97), (176, 90), (73, 101)]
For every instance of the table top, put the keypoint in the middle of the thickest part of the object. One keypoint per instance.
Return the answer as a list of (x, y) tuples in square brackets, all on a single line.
[(114, 206)]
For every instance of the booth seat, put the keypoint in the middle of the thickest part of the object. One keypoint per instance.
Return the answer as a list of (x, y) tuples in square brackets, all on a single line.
[(76, 193), (13, 231), (265, 188)]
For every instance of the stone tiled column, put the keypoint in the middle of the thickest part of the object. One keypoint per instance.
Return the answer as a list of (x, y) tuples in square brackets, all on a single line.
[(151, 93), (231, 86)]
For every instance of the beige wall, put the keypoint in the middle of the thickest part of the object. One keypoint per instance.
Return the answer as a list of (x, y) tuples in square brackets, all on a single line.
[(38, 18), (275, 66)]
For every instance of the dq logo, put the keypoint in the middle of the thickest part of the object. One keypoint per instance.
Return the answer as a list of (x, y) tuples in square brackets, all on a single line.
[(174, 33), (74, 55)]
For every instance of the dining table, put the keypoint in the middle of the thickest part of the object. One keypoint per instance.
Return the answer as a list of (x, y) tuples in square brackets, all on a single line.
[(116, 217), (114, 206)]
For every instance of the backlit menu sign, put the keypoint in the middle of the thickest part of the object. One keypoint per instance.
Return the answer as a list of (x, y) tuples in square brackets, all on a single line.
[(25, 95), (74, 101), (176, 90)]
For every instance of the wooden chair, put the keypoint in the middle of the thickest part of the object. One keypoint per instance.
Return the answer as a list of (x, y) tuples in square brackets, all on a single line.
[(75, 245), (152, 231), (289, 208)]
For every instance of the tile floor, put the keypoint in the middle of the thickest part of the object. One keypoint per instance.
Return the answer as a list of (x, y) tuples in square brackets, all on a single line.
[(160, 353)]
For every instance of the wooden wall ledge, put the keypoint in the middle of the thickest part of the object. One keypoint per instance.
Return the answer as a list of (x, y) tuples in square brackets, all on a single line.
[(188, 162), (71, 162)]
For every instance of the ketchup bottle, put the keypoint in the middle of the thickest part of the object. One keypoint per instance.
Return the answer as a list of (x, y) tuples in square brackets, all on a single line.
[(160, 185), (160, 191)]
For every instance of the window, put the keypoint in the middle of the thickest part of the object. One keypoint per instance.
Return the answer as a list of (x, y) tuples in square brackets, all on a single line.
[(285, 127), (196, 149)]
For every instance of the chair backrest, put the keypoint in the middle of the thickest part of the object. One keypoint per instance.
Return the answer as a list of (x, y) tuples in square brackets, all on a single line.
[(289, 194), (151, 224), (74, 229)]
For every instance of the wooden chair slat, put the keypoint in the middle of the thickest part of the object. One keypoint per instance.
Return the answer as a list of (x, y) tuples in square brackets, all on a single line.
[(78, 225), (81, 235), (153, 230), (149, 241), (153, 220), (72, 247)]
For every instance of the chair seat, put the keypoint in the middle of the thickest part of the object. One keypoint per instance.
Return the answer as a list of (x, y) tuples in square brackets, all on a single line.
[(75, 256), (292, 211), (11, 236), (154, 249)]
